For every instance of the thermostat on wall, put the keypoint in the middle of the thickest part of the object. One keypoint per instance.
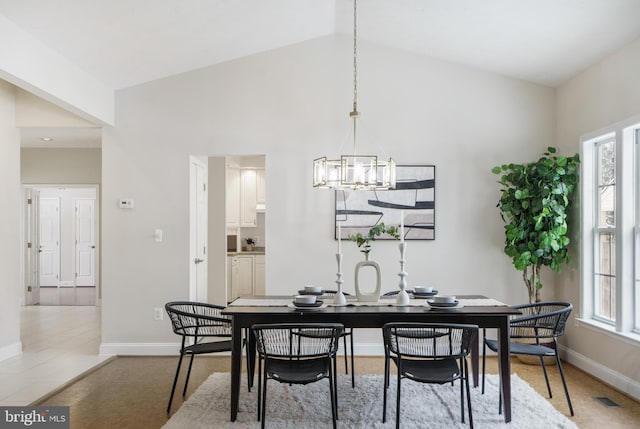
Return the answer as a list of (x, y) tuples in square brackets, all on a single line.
[(126, 204)]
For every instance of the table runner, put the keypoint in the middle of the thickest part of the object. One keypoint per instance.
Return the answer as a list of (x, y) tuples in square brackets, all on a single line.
[(383, 302)]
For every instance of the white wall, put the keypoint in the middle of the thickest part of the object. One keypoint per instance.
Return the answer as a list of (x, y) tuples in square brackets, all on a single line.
[(61, 166), (292, 104), (604, 94), (10, 259)]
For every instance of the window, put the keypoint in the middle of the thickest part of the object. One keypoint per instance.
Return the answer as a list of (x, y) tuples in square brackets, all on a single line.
[(605, 235), (610, 197)]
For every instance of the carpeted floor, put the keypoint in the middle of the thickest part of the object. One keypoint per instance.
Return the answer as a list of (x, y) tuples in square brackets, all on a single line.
[(132, 392), (309, 407)]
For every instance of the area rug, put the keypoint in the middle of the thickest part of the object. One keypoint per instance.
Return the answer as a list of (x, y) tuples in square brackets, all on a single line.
[(309, 407)]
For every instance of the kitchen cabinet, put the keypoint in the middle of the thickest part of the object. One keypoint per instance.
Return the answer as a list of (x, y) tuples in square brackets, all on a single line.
[(233, 197), (260, 188), (258, 275), (245, 275), (248, 198)]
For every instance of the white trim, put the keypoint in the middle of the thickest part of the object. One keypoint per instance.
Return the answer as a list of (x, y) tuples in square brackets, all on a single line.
[(367, 349), (10, 351), (140, 349), (619, 381), (609, 330)]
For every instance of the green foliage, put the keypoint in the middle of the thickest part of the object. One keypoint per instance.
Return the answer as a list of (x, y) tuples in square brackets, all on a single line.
[(364, 241), (534, 203)]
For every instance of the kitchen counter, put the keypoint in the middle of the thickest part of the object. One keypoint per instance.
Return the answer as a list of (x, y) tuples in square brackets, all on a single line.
[(258, 251)]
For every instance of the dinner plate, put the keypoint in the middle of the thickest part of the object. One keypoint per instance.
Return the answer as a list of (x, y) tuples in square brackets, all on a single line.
[(443, 304), (423, 295), (304, 292), (295, 307), (318, 303)]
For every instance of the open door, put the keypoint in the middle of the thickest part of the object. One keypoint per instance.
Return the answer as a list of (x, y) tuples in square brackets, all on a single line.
[(32, 248), (198, 231)]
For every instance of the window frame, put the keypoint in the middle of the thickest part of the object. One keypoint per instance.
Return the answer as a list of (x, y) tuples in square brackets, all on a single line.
[(626, 136)]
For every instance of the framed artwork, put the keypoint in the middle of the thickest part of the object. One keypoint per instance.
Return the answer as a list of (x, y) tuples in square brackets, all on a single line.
[(413, 197)]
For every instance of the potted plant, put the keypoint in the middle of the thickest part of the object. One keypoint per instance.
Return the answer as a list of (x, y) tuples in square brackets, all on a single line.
[(250, 243), (534, 202), (364, 243)]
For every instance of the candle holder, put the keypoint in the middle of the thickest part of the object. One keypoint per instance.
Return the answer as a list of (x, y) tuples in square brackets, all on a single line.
[(403, 296), (339, 298)]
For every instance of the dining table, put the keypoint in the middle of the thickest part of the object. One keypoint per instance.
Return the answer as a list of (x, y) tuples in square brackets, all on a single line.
[(471, 309)]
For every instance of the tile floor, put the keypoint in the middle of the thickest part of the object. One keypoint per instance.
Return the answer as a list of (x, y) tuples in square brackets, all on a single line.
[(59, 343)]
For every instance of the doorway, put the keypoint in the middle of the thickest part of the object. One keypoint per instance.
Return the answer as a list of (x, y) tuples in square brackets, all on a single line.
[(61, 245)]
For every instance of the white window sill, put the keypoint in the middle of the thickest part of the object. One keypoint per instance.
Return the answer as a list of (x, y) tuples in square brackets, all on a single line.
[(627, 337)]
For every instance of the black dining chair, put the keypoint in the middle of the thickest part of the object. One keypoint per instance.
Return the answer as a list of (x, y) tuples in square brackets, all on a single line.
[(198, 321), (536, 332), (428, 353), (287, 357), (347, 333)]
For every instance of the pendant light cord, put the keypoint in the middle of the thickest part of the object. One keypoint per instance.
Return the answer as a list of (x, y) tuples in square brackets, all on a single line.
[(354, 113)]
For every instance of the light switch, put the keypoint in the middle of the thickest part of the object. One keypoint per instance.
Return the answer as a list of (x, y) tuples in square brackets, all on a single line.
[(158, 235)]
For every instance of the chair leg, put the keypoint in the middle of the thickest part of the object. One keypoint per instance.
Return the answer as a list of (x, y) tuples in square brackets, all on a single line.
[(175, 382), (264, 395), (259, 387), (546, 377), (461, 390), (398, 399), (564, 384), (385, 387), (335, 382), (353, 368), (186, 382), (484, 356), (334, 400), (466, 382), (344, 342)]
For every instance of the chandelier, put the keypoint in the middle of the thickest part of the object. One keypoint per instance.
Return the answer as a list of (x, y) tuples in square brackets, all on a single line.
[(355, 171)]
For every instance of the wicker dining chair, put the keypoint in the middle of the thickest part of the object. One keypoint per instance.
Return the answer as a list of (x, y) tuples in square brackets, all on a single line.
[(198, 321), (428, 353), (346, 333), (287, 357), (538, 329)]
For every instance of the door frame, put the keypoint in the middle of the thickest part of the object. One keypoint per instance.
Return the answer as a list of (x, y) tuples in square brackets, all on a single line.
[(23, 234)]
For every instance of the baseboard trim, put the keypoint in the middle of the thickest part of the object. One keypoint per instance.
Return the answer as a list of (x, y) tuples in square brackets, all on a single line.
[(613, 378), (10, 351), (139, 349)]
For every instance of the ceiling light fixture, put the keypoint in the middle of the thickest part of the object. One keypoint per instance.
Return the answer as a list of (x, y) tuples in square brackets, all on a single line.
[(46, 139), (365, 172)]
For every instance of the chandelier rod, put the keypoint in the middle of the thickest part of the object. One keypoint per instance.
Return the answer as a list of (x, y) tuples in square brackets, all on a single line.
[(354, 113)]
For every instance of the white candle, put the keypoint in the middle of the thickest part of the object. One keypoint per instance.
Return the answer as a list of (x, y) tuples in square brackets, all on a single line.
[(402, 226), (339, 239)]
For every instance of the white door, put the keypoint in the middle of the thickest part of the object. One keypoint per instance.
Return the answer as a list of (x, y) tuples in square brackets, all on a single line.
[(32, 259), (198, 231), (49, 234), (85, 242)]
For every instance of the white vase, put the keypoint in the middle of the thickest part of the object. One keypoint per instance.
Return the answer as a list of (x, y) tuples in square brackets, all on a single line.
[(362, 294)]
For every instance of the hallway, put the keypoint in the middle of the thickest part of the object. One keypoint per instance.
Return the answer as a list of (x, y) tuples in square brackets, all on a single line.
[(59, 343)]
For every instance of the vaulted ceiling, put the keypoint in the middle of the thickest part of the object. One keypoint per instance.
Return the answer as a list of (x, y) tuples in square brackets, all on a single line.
[(122, 43)]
